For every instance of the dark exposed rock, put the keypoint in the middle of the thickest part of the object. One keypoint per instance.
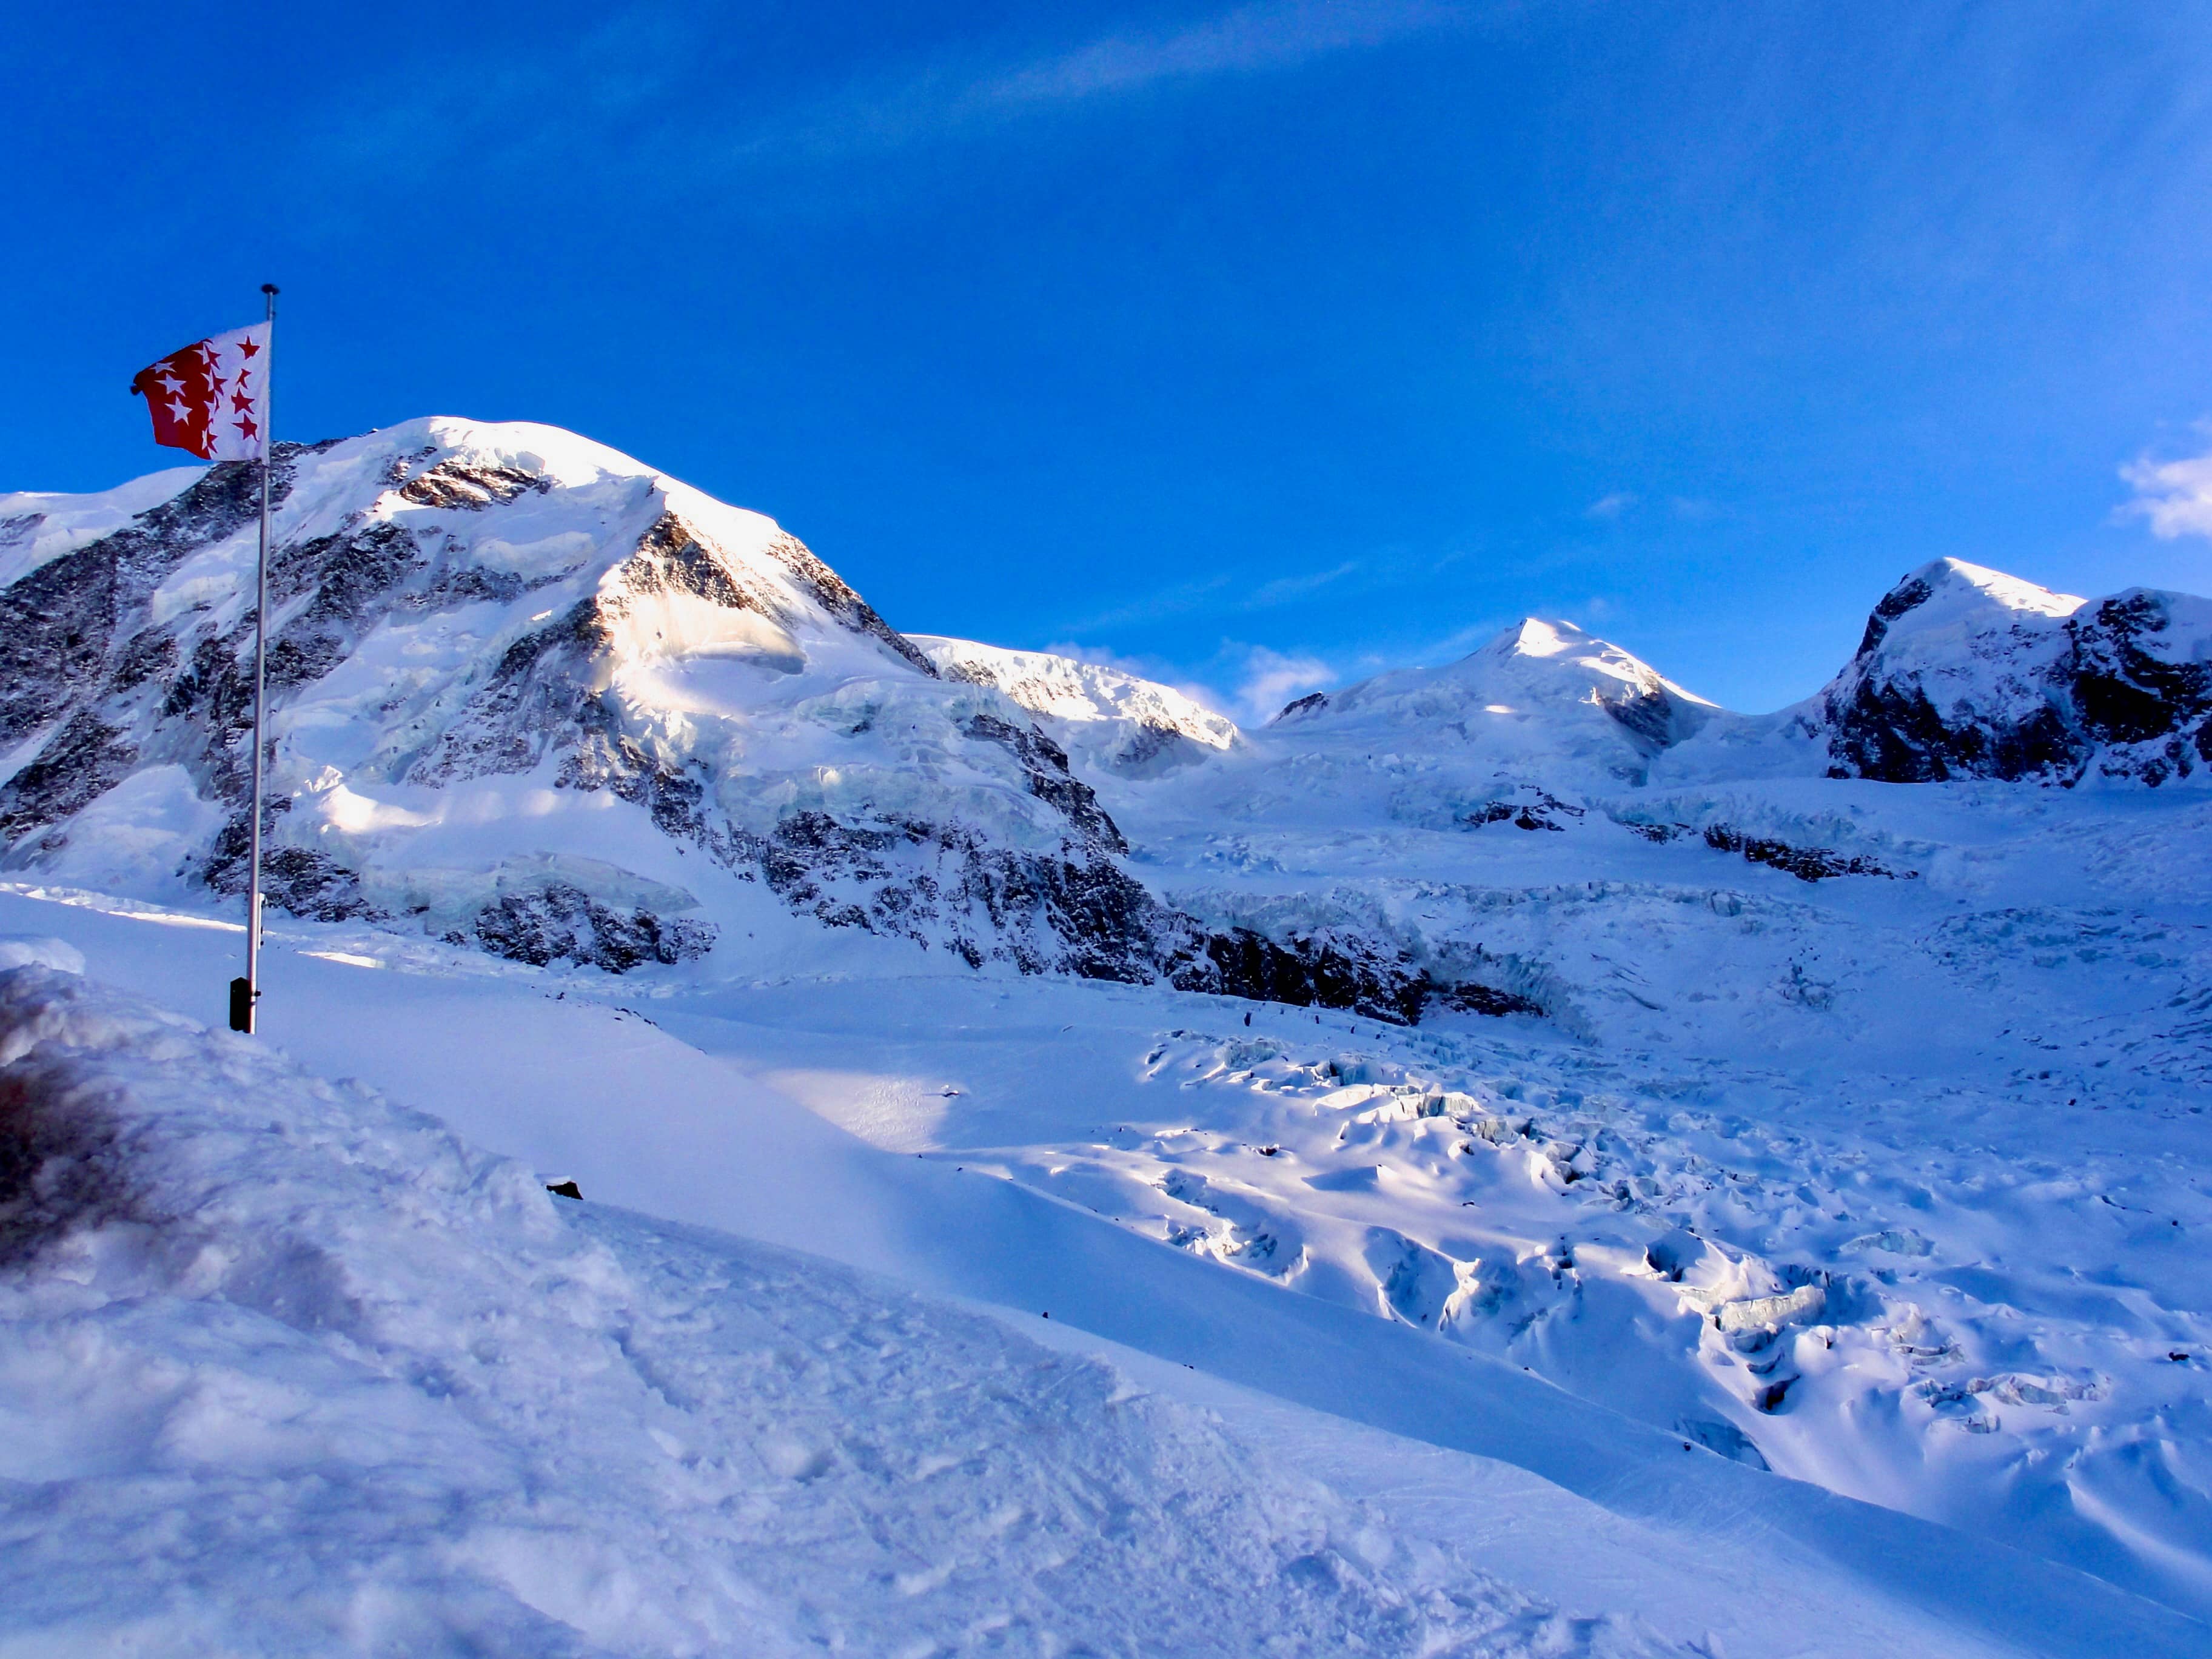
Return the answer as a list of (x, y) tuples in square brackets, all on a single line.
[(838, 598), (63, 1166), (1076, 913), (1648, 715), (60, 623), (1050, 780), (1153, 747), (536, 694), (1315, 970), (455, 483), (1526, 808), (1313, 703), (304, 880), (1908, 595), (1894, 733), (351, 581), (80, 764), (2060, 697), (671, 559), (1470, 997), (1806, 863), (561, 922)]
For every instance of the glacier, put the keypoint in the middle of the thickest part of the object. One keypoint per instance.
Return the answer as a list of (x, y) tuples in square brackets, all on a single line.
[(1788, 1127)]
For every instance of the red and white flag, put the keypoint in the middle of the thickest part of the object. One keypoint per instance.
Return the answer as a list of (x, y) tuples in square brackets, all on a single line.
[(212, 397)]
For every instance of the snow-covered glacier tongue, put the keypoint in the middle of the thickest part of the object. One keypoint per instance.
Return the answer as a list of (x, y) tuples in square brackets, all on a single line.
[(1854, 1129)]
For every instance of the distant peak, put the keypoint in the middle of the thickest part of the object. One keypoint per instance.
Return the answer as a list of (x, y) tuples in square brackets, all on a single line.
[(1942, 588), (1532, 636)]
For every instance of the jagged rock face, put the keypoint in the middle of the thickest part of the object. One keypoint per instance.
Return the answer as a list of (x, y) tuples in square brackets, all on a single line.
[(1966, 673), (528, 695), (517, 685)]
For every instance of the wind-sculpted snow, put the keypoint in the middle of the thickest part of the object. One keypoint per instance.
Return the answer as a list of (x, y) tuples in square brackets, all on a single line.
[(289, 1369), (1852, 1130)]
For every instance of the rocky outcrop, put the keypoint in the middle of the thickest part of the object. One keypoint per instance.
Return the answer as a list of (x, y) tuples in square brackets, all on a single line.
[(561, 922), (1963, 673)]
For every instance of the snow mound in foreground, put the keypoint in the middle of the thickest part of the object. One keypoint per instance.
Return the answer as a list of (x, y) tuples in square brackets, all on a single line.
[(287, 1369)]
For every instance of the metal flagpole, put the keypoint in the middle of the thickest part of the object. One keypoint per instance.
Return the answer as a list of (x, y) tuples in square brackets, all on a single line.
[(246, 993)]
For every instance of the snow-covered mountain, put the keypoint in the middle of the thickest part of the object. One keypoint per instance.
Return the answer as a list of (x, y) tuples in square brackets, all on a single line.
[(1536, 689), (1542, 695), (1967, 672), (533, 696), (1760, 1105), (1108, 719)]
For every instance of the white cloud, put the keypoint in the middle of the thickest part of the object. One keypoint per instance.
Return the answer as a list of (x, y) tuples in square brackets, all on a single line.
[(1610, 506), (1251, 37), (1269, 679), (1284, 589), (2176, 496)]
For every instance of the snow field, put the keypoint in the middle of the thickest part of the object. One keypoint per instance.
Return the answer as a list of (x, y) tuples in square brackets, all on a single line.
[(288, 1369)]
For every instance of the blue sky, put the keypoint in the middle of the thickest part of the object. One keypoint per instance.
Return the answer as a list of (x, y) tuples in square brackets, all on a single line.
[(1261, 346)]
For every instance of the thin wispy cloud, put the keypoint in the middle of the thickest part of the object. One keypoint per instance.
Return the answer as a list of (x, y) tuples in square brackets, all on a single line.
[(1284, 589), (1250, 40), (1268, 679), (1611, 507), (671, 100), (1183, 599), (1222, 595), (2175, 497), (965, 94)]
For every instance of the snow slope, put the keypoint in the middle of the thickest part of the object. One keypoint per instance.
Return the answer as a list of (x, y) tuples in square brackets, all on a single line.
[(290, 1370), (1675, 1544), (1111, 721)]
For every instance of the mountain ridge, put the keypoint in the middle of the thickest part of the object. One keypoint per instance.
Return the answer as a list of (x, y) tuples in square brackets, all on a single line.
[(536, 696)]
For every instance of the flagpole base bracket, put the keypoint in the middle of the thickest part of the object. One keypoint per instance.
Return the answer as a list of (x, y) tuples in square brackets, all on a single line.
[(242, 999)]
